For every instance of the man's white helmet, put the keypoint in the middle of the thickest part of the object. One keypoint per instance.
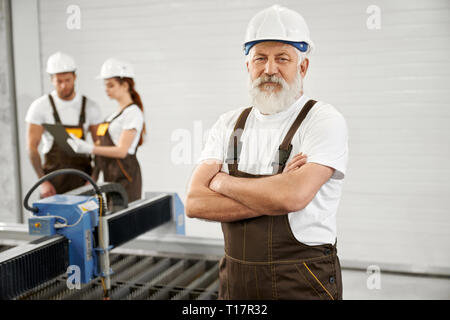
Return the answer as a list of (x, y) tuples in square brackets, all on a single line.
[(116, 68), (60, 62), (279, 24)]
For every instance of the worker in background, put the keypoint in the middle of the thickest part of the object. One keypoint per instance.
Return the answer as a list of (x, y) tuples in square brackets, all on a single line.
[(121, 134), (273, 173), (78, 114)]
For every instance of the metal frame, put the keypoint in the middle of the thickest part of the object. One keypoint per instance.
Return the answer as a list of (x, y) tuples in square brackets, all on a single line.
[(13, 106)]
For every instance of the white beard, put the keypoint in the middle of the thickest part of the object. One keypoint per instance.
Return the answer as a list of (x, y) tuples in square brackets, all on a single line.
[(269, 102)]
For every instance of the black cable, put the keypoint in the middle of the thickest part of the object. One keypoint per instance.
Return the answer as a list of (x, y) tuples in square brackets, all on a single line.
[(57, 173)]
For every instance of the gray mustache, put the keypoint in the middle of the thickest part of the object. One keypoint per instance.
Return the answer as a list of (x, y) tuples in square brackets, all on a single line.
[(264, 78)]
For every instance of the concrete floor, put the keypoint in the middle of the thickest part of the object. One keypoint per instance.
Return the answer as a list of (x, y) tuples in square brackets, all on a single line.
[(394, 287)]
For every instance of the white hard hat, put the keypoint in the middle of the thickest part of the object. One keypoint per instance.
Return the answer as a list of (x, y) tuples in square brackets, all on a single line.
[(116, 68), (279, 24), (60, 62)]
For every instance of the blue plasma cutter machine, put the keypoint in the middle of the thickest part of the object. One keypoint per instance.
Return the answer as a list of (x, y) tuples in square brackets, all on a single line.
[(74, 217)]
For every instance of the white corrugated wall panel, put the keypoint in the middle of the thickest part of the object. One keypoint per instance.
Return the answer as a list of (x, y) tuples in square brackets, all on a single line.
[(391, 85)]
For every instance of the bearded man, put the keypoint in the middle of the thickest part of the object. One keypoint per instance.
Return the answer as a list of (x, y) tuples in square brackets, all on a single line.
[(272, 174)]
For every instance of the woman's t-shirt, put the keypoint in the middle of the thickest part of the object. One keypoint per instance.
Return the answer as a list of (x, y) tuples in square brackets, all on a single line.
[(131, 118)]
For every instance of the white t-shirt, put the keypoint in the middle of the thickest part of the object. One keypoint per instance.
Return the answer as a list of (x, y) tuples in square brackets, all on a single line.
[(322, 136), (131, 118), (40, 112)]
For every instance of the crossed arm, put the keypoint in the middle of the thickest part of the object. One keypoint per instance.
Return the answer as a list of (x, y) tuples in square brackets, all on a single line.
[(217, 196)]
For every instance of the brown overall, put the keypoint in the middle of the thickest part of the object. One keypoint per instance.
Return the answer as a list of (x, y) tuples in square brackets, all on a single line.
[(56, 158), (125, 171), (263, 259)]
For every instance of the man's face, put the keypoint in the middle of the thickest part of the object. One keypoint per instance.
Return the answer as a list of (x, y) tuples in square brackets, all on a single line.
[(275, 76), (64, 84), (273, 58)]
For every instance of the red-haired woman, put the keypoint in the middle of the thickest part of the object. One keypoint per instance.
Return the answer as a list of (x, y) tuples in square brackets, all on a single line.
[(122, 132)]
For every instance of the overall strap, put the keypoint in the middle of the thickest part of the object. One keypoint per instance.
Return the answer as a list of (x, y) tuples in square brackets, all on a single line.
[(140, 137), (82, 119), (285, 148), (235, 144), (120, 113), (55, 113)]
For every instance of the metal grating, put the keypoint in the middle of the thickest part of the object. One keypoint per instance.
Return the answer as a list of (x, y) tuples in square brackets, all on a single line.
[(24, 267), (139, 277), (139, 219)]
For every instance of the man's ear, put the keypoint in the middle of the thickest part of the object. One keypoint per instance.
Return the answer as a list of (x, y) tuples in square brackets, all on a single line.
[(246, 64), (304, 67)]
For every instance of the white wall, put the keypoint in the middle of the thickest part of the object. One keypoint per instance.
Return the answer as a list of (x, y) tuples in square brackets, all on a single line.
[(391, 85)]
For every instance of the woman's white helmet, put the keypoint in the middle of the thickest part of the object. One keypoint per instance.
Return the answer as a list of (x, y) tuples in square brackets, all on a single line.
[(116, 68), (278, 23)]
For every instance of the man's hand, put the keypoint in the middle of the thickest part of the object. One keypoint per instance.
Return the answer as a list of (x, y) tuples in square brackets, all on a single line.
[(47, 189), (204, 203), (296, 162), (216, 182)]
